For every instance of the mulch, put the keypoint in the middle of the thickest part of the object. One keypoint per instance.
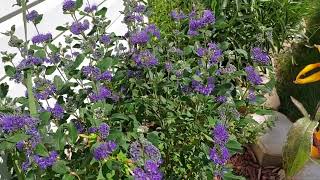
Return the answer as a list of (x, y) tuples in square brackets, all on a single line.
[(247, 165)]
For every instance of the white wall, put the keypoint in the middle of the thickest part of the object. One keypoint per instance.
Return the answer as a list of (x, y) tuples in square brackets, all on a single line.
[(52, 17)]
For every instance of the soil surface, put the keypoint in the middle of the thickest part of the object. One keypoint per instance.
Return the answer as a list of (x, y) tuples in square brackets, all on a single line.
[(247, 165)]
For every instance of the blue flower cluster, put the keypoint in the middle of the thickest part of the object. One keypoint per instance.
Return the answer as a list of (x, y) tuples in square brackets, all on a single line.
[(13, 123), (143, 36), (102, 94), (150, 172), (29, 62), (44, 89), (35, 137), (259, 56), (105, 39), (213, 53), (32, 16), (229, 69), (145, 59), (219, 154), (251, 95), (141, 150), (45, 162), (202, 88), (41, 38), (221, 99), (68, 5), (104, 150), (57, 111), (136, 15), (79, 27), (94, 73), (177, 15), (196, 24), (253, 76), (90, 8), (103, 129)]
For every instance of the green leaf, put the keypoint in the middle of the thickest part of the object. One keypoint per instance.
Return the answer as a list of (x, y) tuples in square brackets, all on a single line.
[(243, 52), (187, 50), (68, 177), (119, 116), (38, 19), (153, 138), (50, 70), (4, 88), (44, 117), (10, 71), (73, 132), (100, 175), (77, 62), (6, 145), (234, 146), (197, 78), (230, 176), (298, 146), (40, 54), (58, 82), (105, 63), (53, 48), (79, 4), (18, 137), (60, 167), (41, 150), (102, 12), (61, 28), (59, 138)]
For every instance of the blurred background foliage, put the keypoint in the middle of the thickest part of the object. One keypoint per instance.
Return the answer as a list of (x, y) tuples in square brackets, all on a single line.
[(270, 24), (290, 62)]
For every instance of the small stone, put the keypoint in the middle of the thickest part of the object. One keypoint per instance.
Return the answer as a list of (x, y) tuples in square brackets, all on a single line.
[(310, 171), (273, 100), (268, 148)]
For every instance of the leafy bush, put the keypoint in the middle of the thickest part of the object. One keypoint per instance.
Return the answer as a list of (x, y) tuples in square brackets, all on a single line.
[(173, 105)]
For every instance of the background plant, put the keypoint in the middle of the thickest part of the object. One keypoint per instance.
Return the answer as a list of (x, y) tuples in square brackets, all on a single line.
[(299, 53), (142, 110)]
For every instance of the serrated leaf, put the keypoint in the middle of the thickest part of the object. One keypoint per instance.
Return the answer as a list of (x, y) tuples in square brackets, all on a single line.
[(10, 71), (60, 167), (298, 145), (18, 137)]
